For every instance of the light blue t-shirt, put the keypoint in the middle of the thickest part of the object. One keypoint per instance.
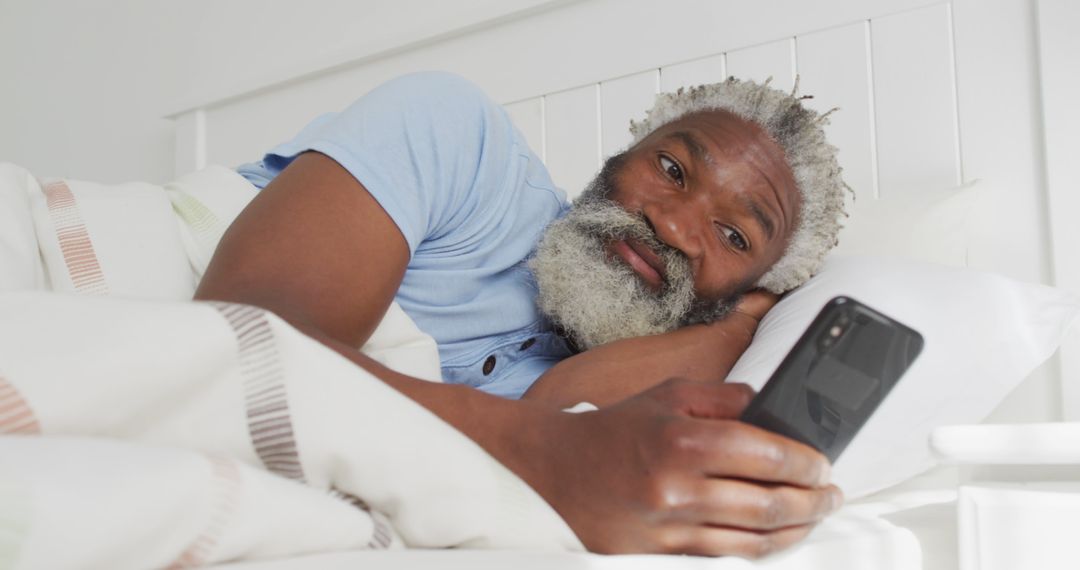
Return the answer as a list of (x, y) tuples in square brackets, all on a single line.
[(471, 199)]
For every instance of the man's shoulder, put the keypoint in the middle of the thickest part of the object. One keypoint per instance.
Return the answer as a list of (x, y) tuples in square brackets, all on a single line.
[(433, 93), (447, 82)]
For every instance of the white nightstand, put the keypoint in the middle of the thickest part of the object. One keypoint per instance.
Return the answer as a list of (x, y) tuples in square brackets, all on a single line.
[(1018, 506)]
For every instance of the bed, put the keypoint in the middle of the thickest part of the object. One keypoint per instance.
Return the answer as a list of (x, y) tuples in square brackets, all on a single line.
[(921, 86), (939, 174)]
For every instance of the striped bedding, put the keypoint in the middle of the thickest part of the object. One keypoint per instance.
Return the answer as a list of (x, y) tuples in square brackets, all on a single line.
[(139, 429)]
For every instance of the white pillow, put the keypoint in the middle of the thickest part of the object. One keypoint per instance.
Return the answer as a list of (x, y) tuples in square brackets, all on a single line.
[(983, 334), (20, 263)]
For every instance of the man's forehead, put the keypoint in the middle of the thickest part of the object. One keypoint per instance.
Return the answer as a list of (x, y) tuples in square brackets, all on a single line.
[(718, 150), (706, 133), (717, 126)]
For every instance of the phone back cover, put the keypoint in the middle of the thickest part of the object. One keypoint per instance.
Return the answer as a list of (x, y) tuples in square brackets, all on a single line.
[(827, 387)]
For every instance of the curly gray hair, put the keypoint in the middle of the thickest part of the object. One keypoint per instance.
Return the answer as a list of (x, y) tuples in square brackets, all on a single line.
[(800, 132)]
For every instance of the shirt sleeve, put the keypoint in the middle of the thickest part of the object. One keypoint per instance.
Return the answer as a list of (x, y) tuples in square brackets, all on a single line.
[(430, 147)]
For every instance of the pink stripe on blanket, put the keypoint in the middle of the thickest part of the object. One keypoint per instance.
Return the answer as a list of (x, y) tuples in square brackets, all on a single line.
[(226, 485), (381, 535), (16, 416), (269, 421), (75, 244)]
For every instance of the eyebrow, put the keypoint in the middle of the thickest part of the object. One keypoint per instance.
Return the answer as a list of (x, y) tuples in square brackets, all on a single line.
[(763, 219), (697, 150)]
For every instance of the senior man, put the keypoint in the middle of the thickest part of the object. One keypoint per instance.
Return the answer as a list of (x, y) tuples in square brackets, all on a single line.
[(423, 192)]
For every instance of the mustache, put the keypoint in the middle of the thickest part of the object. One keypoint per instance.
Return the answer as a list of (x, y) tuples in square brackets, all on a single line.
[(605, 220)]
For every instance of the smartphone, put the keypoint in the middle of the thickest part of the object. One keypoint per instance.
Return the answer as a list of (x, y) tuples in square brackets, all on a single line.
[(834, 378)]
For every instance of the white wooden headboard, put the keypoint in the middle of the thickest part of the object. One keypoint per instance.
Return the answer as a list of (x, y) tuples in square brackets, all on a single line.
[(934, 96)]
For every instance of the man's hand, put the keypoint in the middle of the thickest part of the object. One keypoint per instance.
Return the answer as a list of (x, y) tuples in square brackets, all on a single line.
[(756, 303), (672, 471)]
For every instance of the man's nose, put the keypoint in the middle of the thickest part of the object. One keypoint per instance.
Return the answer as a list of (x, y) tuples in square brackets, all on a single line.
[(678, 222)]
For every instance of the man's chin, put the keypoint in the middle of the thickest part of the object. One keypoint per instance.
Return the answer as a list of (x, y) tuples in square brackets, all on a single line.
[(597, 302)]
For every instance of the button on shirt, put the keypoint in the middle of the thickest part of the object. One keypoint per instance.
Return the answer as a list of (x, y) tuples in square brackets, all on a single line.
[(471, 199)]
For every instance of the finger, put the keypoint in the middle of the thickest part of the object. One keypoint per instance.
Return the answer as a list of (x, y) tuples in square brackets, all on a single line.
[(713, 400), (739, 396), (757, 302), (753, 506), (740, 450), (725, 541)]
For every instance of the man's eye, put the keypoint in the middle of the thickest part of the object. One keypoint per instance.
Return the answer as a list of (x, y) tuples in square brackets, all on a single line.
[(672, 168), (736, 239)]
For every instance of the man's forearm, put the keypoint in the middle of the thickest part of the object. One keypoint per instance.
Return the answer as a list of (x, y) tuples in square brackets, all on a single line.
[(615, 371)]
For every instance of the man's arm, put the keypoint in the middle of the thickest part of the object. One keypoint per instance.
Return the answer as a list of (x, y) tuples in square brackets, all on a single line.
[(615, 371), (666, 471), (314, 247)]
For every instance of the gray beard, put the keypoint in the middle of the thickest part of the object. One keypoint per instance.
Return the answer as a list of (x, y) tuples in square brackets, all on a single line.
[(596, 301)]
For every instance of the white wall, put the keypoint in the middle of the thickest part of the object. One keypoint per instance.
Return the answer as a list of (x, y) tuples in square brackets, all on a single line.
[(85, 84), (82, 82)]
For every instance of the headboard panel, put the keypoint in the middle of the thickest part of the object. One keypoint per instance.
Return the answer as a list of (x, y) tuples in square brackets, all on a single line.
[(920, 85), (876, 71)]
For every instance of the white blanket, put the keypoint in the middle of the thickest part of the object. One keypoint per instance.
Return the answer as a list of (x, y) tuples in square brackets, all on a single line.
[(140, 429)]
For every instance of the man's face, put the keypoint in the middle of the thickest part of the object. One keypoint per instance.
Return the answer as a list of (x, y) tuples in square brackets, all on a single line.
[(670, 232)]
